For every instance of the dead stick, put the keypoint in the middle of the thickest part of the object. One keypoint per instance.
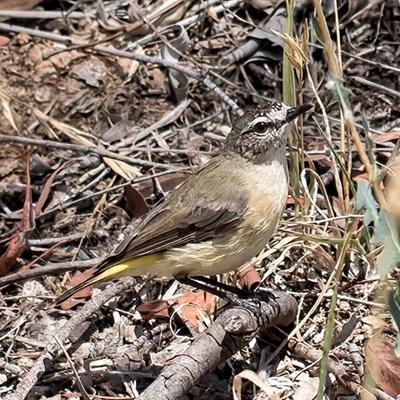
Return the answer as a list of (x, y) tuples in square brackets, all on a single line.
[(48, 269), (309, 353), (79, 148), (231, 331)]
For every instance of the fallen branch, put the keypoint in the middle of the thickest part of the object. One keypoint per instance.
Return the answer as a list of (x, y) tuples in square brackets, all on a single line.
[(230, 332)]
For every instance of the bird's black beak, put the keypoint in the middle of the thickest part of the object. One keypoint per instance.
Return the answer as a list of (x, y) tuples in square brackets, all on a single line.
[(294, 112)]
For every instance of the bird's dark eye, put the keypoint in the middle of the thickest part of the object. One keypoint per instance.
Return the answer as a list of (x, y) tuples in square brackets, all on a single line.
[(260, 127)]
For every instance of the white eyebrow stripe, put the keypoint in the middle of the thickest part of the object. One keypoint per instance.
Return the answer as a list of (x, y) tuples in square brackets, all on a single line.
[(261, 119)]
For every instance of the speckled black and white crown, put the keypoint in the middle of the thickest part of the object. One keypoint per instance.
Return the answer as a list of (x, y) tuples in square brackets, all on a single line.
[(262, 128)]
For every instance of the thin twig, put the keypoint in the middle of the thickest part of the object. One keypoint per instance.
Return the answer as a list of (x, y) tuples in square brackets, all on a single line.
[(375, 85), (79, 148), (63, 206), (48, 269), (31, 14)]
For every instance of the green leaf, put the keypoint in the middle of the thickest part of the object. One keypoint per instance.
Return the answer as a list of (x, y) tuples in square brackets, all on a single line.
[(386, 233), (343, 93), (316, 29), (366, 200)]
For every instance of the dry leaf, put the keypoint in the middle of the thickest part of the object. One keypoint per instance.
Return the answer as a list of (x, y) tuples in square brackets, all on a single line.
[(4, 40), (383, 365), (386, 137), (168, 182), (154, 309), (46, 188), (85, 292), (18, 4), (195, 305), (18, 241), (308, 389), (16, 247), (135, 205), (253, 377)]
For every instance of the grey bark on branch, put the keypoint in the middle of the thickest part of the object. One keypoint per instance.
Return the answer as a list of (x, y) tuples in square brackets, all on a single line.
[(230, 332)]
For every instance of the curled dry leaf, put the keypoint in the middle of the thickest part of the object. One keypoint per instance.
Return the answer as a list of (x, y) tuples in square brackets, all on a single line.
[(249, 278), (168, 13), (177, 45)]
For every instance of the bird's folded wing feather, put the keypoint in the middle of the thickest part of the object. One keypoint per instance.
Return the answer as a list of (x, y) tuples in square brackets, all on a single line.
[(188, 219)]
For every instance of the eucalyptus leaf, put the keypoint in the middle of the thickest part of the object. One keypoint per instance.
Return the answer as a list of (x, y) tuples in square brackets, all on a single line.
[(387, 234), (365, 199)]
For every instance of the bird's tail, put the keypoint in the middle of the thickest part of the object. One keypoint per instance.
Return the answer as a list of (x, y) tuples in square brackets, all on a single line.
[(107, 271)]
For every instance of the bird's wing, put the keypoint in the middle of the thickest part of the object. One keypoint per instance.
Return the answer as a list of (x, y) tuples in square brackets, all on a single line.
[(196, 212), (159, 232)]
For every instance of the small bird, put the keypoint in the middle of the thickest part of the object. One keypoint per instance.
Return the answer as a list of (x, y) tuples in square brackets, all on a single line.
[(221, 216)]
